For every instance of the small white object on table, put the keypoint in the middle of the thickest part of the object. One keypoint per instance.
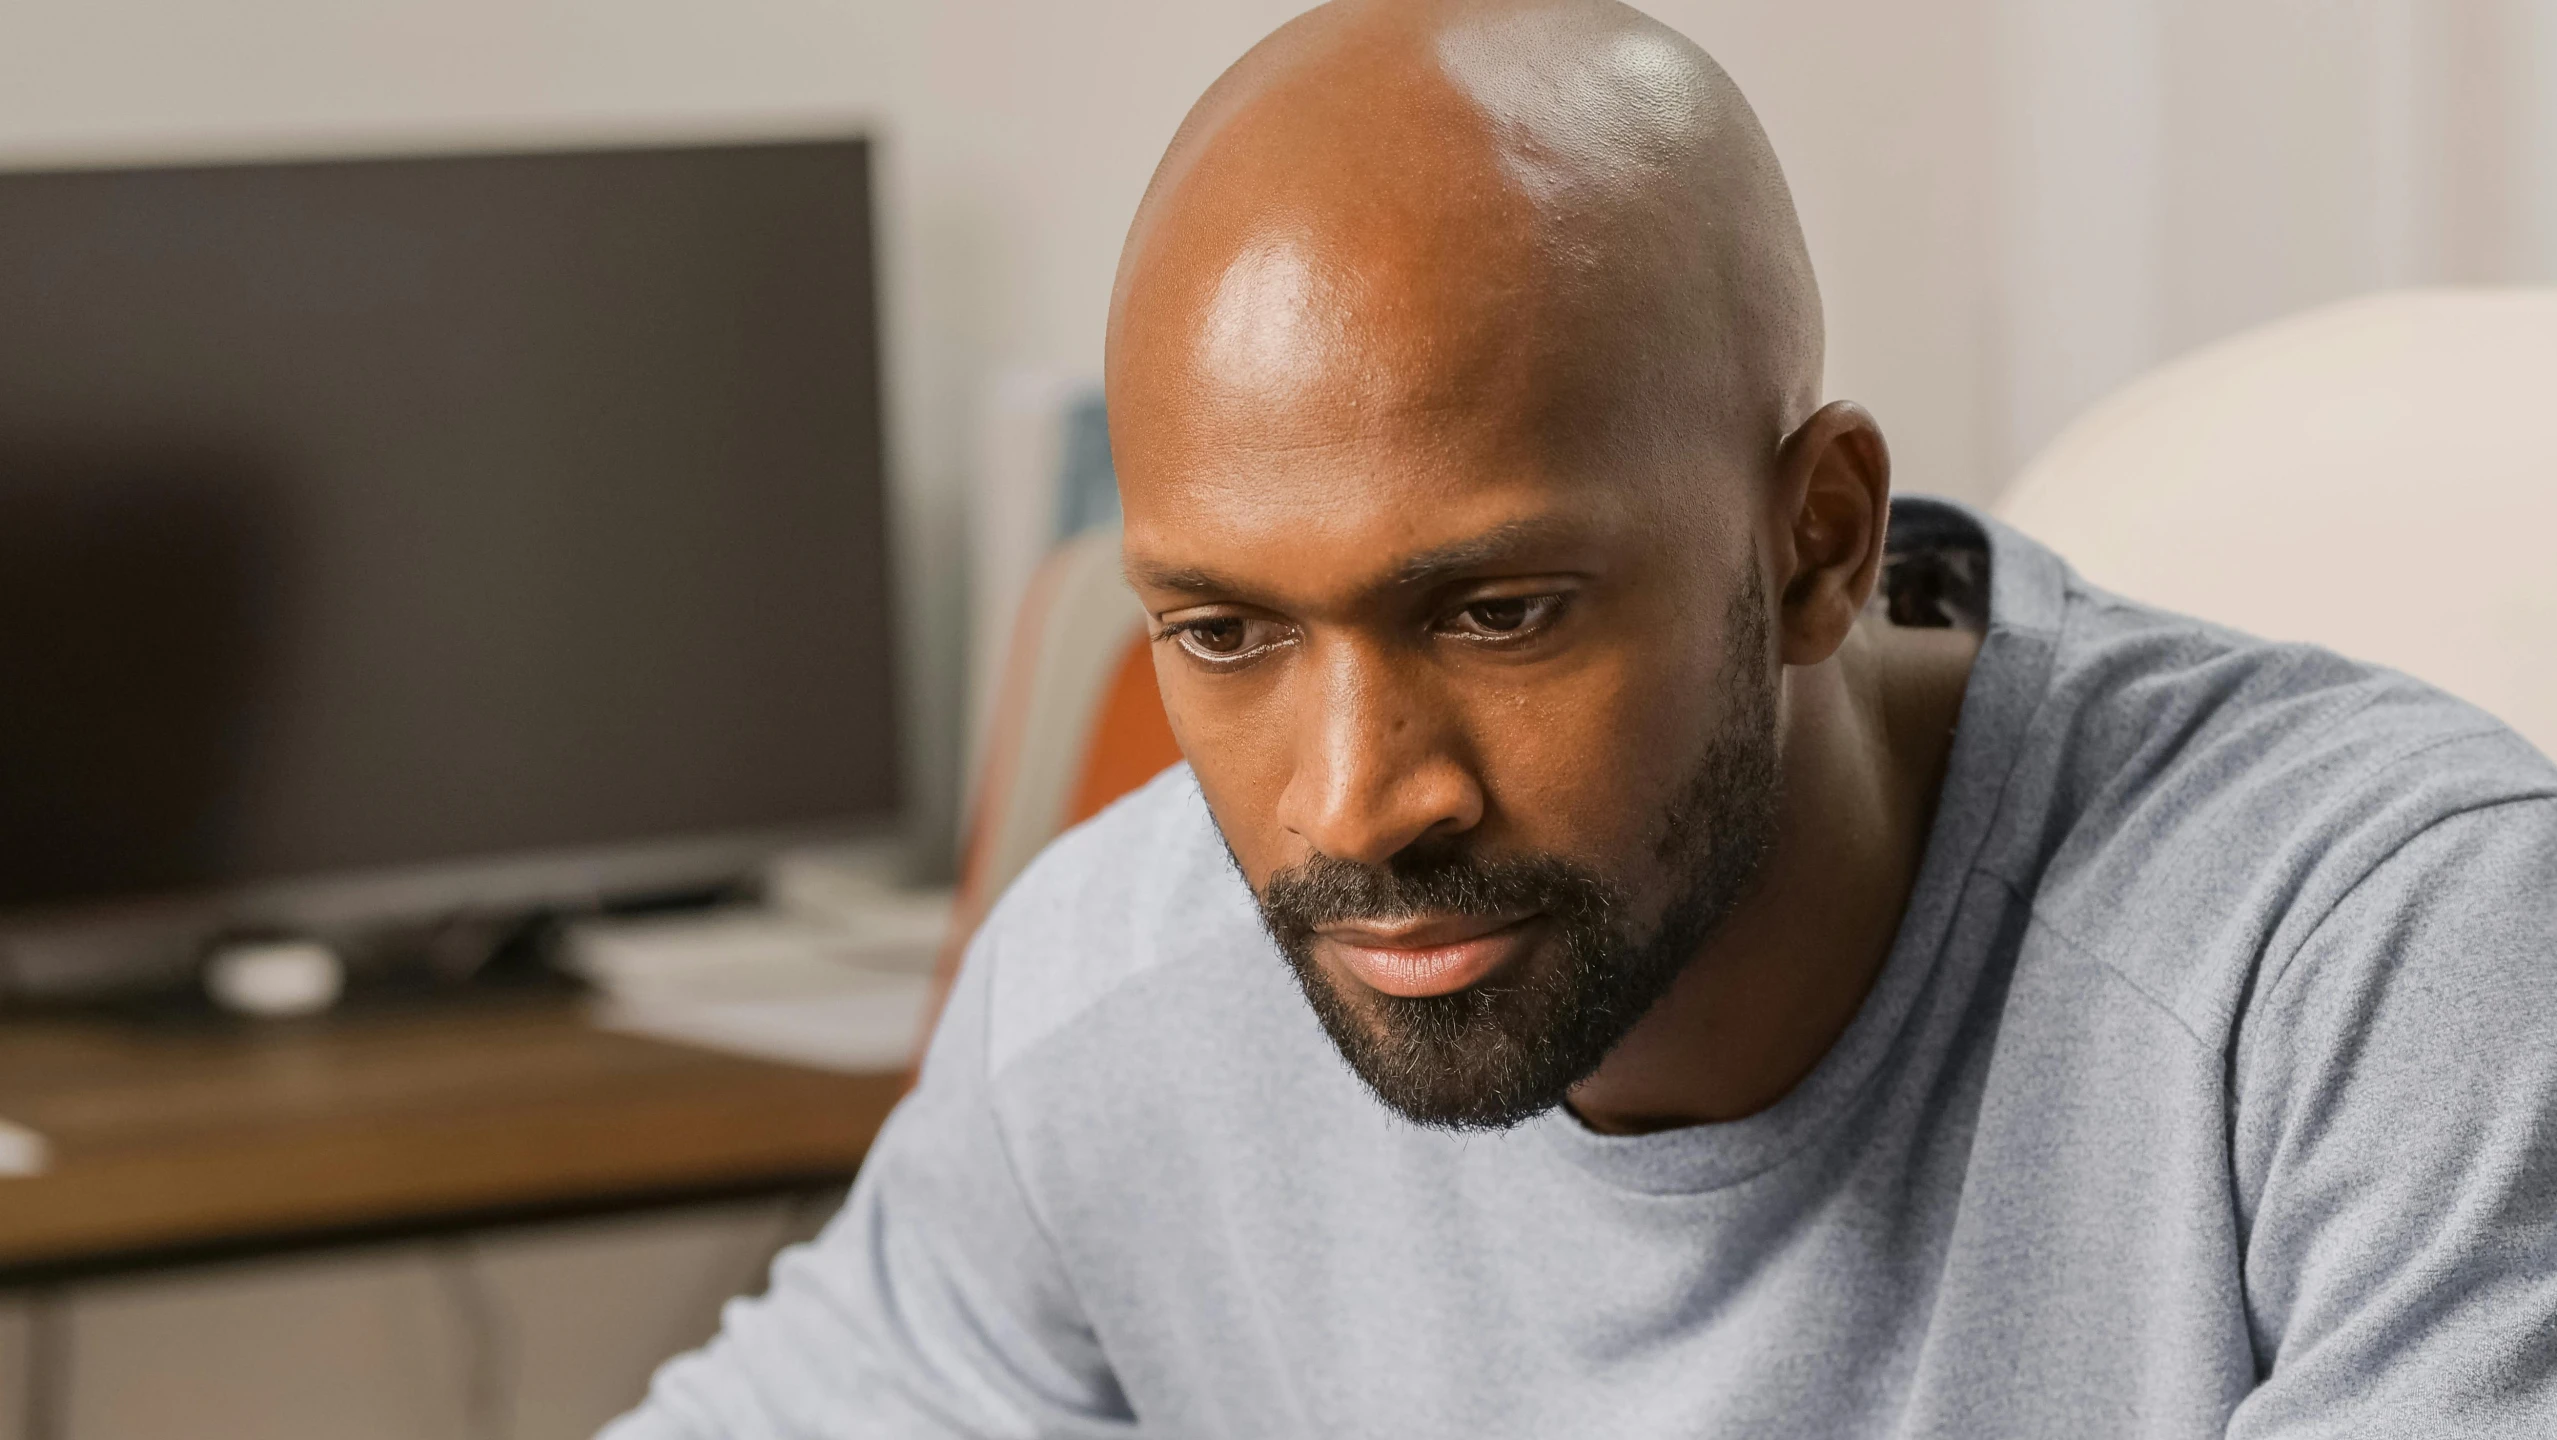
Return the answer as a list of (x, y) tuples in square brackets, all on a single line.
[(22, 1151)]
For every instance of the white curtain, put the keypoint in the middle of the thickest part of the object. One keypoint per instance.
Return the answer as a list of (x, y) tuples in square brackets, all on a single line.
[(2172, 171)]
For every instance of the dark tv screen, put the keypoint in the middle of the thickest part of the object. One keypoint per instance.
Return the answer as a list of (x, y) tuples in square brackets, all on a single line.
[(364, 513)]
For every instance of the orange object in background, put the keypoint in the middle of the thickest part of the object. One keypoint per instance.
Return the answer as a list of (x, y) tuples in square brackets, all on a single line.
[(1131, 737)]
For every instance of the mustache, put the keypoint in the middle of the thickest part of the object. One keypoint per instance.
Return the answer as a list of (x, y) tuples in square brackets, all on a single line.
[(1324, 890)]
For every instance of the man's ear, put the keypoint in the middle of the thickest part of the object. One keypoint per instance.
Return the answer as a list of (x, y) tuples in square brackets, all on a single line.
[(1833, 503)]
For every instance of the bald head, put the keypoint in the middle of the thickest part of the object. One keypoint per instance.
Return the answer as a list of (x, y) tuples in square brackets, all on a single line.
[(1563, 214)]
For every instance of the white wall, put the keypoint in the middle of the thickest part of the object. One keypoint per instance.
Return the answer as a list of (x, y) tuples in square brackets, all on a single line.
[(2013, 204), (2172, 171)]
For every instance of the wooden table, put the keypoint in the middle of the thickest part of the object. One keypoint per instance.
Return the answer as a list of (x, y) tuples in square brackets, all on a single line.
[(171, 1140)]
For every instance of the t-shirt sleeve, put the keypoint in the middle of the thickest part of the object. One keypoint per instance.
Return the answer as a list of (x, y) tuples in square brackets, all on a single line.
[(2395, 1147), (933, 1305)]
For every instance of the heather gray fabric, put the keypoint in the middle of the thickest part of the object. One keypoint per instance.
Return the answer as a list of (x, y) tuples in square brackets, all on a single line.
[(2211, 1088)]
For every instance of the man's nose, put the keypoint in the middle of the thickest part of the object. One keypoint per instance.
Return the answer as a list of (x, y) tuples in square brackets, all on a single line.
[(1379, 763)]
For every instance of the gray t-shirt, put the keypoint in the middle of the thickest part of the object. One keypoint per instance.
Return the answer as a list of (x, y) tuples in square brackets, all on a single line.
[(2210, 1088)]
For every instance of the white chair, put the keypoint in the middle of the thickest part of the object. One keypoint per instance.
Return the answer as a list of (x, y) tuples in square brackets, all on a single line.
[(2378, 477)]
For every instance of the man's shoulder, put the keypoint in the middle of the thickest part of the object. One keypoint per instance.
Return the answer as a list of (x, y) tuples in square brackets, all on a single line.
[(2200, 798), (1143, 887), (2179, 719)]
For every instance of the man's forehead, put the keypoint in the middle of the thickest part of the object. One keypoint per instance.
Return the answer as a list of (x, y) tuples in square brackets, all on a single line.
[(1343, 496), (1266, 310), (1307, 358), (1298, 317)]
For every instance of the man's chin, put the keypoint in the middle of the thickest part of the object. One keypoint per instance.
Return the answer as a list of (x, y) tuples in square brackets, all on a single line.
[(1483, 1057)]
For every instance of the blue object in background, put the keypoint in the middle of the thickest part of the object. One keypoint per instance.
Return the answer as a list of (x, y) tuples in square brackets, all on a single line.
[(1087, 488)]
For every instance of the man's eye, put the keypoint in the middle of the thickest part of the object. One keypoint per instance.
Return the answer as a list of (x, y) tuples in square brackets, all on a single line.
[(1225, 637), (1506, 618)]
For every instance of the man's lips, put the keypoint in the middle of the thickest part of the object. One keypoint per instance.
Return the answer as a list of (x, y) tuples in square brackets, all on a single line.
[(1429, 955)]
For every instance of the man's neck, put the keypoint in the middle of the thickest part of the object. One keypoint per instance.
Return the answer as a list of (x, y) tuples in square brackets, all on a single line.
[(1867, 735)]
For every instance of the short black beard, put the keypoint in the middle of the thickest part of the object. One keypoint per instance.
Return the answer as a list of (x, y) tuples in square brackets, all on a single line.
[(1493, 1055)]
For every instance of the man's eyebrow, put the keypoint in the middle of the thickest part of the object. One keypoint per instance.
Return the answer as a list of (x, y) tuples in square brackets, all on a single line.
[(1499, 545), (1184, 579)]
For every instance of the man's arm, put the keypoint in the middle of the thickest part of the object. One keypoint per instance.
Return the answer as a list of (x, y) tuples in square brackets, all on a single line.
[(933, 1305), (2395, 1144)]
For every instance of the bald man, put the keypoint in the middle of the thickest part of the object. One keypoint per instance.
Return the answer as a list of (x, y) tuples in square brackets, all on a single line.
[(1652, 937)]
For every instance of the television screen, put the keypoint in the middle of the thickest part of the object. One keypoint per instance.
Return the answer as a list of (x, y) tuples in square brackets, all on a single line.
[(363, 513)]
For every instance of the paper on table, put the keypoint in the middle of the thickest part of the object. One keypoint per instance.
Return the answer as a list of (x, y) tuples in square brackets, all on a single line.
[(863, 1028), (22, 1151), (773, 986)]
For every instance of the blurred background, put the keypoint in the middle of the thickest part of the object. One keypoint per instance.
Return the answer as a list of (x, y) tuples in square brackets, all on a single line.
[(753, 367)]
